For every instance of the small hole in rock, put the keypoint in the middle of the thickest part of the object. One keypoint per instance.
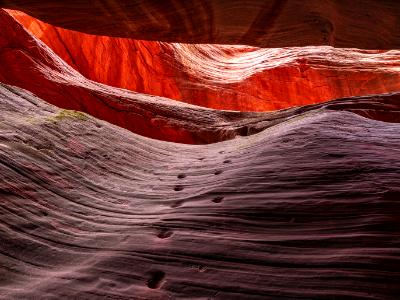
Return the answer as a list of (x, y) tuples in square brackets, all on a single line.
[(336, 155), (227, 161), (181, 176), (218, 172), (177, 204), (202, 268), (218, 199), (155, 280), (178, 188), (164, 233), (29, 226), (391, 195)]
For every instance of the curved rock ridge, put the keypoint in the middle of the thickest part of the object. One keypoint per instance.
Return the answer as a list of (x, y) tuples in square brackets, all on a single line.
[(306, 209), (263, 23), (103, 197), (224, 76), (27, 63)]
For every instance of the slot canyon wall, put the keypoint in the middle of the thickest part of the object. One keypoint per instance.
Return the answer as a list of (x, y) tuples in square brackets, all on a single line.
[(224, 77), (363, 24), (199, 149)]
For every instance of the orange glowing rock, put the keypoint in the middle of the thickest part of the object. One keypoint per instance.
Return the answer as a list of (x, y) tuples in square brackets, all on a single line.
[(299, 203), (224, 77), (28, 63)]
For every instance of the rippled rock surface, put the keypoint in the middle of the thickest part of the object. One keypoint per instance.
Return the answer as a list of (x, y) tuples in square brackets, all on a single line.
[(283, 183), (223, 76), (363, 24), (307, 208)]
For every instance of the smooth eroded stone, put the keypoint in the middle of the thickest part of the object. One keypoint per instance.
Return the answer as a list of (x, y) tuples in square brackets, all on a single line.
[(364, 24)]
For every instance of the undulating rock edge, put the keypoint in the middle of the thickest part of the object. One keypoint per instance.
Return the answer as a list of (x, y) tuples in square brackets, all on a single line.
[(112, 193), (28, 63), (222, 77), (363, 24), (305, 209)]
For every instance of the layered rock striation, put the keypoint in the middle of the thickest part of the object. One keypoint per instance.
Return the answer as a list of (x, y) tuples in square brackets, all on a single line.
[(102, 195), (222, 76), (28, 63), (364, 24), (307, 208)]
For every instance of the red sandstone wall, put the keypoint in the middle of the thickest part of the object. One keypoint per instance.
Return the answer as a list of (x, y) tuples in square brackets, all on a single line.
[(241, 78)]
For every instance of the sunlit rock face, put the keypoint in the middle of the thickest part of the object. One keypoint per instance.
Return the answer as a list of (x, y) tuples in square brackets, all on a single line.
[(223, 76), (104, 196), (27, 63)]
